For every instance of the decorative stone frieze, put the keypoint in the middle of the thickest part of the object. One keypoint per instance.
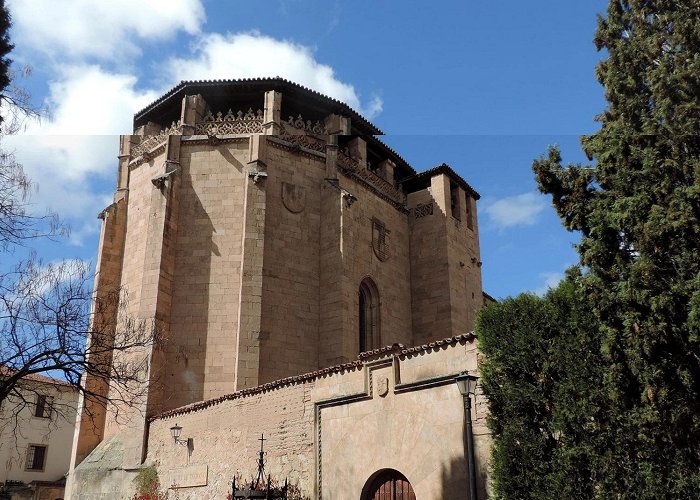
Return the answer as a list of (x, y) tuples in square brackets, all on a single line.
[(304, 133), (307, 126), (153, 141), (304, 141), (250, 122), (351, 167)]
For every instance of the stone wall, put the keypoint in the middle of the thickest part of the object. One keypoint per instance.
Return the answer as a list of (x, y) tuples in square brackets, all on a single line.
[(445, 261), (388, 268), (429, 265), (330, 431), (225, 441), (139, 295), (246, 240), (201, 357), (291, 269)]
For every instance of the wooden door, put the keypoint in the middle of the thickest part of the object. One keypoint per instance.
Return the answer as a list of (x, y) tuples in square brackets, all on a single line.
[(390, 485)]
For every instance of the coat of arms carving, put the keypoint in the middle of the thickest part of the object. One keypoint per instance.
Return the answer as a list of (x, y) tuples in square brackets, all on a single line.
[(380, 237), (293, 197), (383, 386)]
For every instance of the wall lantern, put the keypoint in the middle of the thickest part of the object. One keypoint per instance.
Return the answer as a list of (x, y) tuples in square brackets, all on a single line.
[(467, 387), (175, 432)]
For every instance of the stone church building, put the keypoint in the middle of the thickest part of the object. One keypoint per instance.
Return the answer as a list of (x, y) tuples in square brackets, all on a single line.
[(310, 285)]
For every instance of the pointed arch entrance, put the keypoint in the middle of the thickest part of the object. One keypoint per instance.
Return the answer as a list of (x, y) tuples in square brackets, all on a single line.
[(388, 484)]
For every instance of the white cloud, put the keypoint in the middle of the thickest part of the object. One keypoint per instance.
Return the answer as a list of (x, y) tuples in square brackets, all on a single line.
[(518, 210), (373, 108), (66, 171), (103, 29), (551, 280), (251, 54), (68, 154), (89, 109), (87, 100), (71, 155)]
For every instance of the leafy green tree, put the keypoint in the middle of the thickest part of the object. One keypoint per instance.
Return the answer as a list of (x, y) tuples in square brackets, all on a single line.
[(514, 335), (542, 375), (5, 47), (15, 101), (637, 208)]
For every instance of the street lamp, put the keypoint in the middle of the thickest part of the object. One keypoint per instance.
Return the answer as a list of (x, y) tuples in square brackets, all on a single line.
[(175, 432), (467, 387)]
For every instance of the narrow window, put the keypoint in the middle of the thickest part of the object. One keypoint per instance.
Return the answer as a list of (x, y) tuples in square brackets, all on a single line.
[(43, 406), (36, 457), (470, 213), (454, 199), (368, 316), (363, 319)]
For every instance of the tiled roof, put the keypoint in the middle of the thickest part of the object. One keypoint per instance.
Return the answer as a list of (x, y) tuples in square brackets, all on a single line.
[(276, 82), (393, 152), (261, 388), (397, 349), (35, 377), (443, 168), (400, 349)]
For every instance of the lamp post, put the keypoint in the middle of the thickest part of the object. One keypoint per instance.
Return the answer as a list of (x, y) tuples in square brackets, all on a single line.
[(467, 387)]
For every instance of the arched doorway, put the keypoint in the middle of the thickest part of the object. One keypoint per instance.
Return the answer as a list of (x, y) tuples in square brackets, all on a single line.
[(388, 484)]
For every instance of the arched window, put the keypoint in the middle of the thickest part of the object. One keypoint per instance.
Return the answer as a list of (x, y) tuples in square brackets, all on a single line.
[(368, 315)]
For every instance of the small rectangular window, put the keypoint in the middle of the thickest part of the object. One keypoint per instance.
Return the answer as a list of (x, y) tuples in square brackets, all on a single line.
[(36, 457), (454, 199), (43, 406)]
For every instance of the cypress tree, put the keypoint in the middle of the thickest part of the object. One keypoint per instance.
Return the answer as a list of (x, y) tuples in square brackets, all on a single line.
[(543, 378), (5, 48), (637, 207), (514, 336)]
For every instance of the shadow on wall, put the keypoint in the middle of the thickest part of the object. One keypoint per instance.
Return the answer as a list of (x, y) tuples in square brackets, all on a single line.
[(455, 481), (194, 250)]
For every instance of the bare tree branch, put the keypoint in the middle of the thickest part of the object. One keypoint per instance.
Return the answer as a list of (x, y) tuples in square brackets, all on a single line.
[(52, 324)]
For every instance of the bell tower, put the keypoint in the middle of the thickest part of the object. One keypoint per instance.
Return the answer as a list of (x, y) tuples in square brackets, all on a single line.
[(266, 231)]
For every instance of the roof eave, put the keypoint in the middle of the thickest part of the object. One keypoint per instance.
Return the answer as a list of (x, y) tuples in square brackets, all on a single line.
[(366, 127)]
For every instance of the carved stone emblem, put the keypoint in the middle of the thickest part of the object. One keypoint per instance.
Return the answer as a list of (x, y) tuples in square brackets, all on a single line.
[(380, 236), (293, 197), (423, 210), (383, 386)]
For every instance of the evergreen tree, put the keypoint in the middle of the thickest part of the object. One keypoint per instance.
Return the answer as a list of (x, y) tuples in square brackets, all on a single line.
[(638, 210), (514, 337), (542, 375), (5, 48)]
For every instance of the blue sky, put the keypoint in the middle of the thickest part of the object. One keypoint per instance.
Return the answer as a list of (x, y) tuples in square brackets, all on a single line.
[(483, 86)]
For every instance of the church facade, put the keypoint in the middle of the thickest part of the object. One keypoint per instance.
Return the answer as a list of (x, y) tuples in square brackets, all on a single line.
[(310, 285)]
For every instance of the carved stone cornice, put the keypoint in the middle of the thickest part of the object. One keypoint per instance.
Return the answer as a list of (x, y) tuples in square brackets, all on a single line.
[(150, 142), (144, 158), (198, 140), (283, 143), (352, 168)]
